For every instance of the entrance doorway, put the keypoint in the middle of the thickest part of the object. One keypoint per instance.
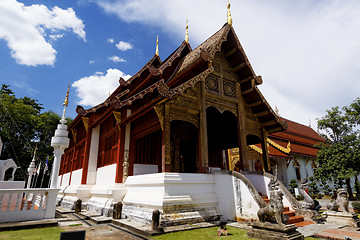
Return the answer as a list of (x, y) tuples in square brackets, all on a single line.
[(222, 135), (184, 141)]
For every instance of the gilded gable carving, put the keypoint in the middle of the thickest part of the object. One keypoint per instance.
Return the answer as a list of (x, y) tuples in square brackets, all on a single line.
[(229, 89), (212, 83)]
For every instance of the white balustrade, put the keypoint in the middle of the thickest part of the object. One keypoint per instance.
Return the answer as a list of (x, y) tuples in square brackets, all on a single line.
[(27, 204)]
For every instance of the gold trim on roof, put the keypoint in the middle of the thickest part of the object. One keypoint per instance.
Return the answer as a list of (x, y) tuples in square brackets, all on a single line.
[(117, 116), (279, 147), (187, 32), (229, 18), (256, 149), (74, 133), (157, 46), (85, 121)]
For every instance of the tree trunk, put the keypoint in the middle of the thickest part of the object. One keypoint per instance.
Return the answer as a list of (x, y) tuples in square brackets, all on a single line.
[(348, 185), (357, 185), (357, 188)]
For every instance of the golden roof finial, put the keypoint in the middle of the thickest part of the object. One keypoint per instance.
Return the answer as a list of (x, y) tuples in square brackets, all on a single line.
[(157, 46), (276, 110), (187, 33), (229, 18), (66, 101)]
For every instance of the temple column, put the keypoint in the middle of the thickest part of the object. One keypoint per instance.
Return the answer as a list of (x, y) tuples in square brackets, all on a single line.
[(265, 150), (241, 130), (126, 148), (203, 139), (85, 166), (165, 148), (93, 156)]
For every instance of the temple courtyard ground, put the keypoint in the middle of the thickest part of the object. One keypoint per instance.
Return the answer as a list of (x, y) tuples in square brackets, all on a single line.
[(104, 229)]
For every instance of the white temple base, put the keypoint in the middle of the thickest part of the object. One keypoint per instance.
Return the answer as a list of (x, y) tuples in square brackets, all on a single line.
[(103, 197), (180, 197), (12, 184)]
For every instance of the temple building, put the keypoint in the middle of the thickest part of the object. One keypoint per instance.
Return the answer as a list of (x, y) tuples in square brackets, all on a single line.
[(161, 139), (293, 151)]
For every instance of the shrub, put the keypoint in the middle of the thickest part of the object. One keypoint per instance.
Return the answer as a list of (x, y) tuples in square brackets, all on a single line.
[(293, 185), (299, 197), (356, 205), (313, 188)]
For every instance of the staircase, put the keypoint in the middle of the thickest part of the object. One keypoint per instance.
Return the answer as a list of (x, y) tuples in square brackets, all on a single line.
[(293, 219)]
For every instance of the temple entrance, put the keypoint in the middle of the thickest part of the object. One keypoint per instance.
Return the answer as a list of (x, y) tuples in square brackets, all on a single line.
[(184, 141), (222, 135)]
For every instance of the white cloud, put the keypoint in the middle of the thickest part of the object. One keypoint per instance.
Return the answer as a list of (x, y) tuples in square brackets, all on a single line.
[(24, 29), (94, 89), (116, 59), (123, 46), (92, 61), (56, 36), (110, 40), (307, 51)]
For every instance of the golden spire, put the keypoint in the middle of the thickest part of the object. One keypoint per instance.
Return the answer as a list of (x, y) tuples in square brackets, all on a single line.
[(66, 101), (276, 110), (187, 33), (229, 18), (157, 46)]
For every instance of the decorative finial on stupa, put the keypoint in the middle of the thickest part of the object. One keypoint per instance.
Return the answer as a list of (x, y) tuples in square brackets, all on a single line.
[(157, 46), (65, 104), (229, 18), (187, 32), (66, 101)]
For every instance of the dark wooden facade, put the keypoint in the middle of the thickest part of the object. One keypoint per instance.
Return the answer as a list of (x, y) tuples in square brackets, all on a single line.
[(179, 114)]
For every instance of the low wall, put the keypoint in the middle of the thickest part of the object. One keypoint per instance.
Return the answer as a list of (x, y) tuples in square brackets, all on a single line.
[(27, 204)]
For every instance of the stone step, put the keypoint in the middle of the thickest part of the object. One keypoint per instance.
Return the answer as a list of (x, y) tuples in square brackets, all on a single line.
[(87, 215), (289, 213), (295, 219), (101, 219)]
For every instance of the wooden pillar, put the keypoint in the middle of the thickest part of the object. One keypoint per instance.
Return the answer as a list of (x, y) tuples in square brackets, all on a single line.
[(203, 139), (241, 130), (126, 148), (265, 149), (120, 155), (165, 148), (85, 165)]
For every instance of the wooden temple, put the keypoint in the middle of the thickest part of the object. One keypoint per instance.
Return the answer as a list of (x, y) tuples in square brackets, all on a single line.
[(176, 115)]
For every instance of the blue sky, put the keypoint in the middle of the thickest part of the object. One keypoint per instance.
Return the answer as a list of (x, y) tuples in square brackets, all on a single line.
[(307, 51)]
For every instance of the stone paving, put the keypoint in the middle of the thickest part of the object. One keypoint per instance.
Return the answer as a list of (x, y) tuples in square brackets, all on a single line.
[(124, 229)]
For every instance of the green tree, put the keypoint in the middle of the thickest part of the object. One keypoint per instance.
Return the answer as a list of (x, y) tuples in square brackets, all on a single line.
[(339, 157), (23, 126)]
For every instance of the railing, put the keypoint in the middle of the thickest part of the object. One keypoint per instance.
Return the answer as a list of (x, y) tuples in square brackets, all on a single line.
[(27, 204)]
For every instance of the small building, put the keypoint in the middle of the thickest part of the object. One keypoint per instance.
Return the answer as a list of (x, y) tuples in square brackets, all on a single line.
[(293, 151)]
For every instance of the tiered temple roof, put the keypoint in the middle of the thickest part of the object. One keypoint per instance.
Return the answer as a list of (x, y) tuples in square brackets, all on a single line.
[(159, 80)]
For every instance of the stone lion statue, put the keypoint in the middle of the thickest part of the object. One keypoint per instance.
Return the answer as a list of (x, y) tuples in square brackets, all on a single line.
[(5, 165), (341, 201), (273, 211)]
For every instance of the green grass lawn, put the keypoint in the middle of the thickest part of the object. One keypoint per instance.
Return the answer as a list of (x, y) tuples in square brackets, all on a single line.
[(206, 234), (32, 234), (202, 233)]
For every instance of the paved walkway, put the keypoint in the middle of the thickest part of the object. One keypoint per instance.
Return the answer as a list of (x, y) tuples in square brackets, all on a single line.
[(124, 229)]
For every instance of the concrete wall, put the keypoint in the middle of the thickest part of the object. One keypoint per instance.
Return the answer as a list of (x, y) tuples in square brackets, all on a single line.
[(145, 169), (76, 177)]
